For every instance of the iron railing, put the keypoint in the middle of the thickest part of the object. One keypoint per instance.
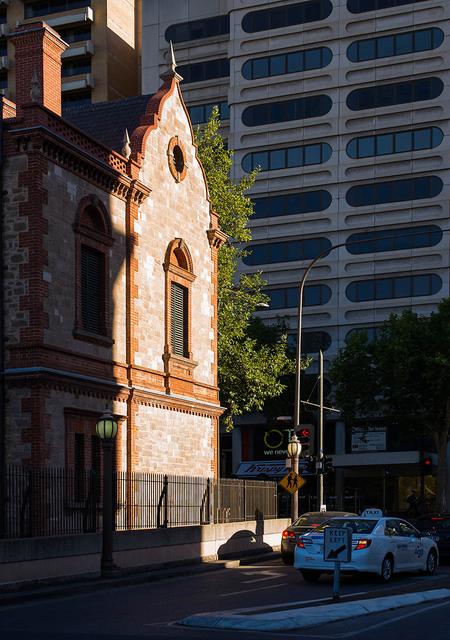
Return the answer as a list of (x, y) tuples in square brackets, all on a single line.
[(49, 501)]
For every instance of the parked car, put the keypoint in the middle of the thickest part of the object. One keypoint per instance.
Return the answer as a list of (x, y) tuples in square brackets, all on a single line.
[(437, 525), (380, 545), (305, 523)]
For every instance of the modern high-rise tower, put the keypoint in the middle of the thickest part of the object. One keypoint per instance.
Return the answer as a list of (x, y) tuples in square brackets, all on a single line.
[(103, 58), (344, 104)]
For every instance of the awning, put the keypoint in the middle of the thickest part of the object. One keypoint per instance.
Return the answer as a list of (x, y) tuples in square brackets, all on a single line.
[(252, 469)]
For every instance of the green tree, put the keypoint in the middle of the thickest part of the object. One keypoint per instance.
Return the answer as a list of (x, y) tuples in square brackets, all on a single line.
[(404, 376), (252, 358)]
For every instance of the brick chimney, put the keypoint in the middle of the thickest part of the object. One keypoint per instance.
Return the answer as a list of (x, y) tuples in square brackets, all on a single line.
[(38, 65)]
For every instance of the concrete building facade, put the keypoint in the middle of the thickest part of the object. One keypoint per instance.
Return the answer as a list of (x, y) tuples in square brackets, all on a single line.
[(344, 105), (102, 60), (110, 246)]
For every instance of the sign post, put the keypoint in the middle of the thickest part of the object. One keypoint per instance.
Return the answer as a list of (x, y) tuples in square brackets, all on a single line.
[(337, 548)]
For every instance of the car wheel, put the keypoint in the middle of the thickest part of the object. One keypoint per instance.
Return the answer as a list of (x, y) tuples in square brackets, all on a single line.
[(431, 565), (387, 569), (310, 576), (288, 559)]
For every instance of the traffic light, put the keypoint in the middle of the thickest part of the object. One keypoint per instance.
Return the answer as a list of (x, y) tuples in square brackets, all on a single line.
[(427, 465), (306, 436), (327, 464), (311, 465)]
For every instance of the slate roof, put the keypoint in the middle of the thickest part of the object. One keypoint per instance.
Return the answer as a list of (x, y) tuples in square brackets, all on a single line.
[(106, 121)]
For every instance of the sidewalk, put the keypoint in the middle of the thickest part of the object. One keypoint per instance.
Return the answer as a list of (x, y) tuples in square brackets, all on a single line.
[(69, 585)]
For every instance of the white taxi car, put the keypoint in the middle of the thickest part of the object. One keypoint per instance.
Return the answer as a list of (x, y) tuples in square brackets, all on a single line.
[(380, 545)]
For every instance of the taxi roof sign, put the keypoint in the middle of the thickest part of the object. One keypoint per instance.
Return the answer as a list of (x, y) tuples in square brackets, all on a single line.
[(372, 513)]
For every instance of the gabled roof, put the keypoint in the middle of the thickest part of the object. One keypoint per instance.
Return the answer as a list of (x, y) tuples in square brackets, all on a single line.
[(106, 121)]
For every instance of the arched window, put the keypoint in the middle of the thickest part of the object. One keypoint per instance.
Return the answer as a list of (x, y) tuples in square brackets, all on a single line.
[(426, 284), (397, 44), (398, 142), (179, 278), (289, 251), (291, 204), (388, 95), (394, 239), (286, 110), (286, 16), (93, 237), (198, 29), (394, 191), (362, 6), (287, 158), (293, 62)]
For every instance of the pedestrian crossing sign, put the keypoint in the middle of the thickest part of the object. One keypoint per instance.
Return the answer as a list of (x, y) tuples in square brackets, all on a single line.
[(292, 482)]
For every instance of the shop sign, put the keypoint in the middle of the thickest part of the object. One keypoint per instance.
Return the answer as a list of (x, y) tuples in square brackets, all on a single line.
[(369, 439)]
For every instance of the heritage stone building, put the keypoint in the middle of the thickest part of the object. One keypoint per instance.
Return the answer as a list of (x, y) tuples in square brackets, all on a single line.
[(110, 252)]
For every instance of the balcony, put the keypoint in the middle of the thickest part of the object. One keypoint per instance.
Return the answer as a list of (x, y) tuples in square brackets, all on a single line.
[(79, 50), (76, 16), (75, 83)]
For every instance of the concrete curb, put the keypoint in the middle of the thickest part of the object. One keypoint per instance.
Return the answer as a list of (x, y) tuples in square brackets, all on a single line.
[(11, 593), (312, 616)]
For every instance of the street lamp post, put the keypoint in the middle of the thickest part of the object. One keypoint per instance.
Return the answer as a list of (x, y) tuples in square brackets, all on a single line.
[(294, 450), (106, 429)]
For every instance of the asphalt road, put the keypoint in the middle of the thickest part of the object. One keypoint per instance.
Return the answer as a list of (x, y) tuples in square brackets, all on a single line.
[(152, 610)]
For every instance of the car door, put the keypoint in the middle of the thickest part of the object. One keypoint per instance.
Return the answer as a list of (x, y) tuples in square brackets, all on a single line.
[(397, 543), (415, 546)]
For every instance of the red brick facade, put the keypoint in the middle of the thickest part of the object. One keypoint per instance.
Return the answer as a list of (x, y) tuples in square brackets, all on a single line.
[(69, 196)]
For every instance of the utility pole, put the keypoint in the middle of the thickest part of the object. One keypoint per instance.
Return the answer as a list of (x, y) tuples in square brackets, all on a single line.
[(320, 469)]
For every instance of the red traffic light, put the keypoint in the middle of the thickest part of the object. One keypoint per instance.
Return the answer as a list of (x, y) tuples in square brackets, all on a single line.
[(304, 433), (427, 462)]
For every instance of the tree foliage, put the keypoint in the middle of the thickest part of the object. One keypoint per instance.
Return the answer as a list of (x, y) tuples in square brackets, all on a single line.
[(403, 376), (252, 358)]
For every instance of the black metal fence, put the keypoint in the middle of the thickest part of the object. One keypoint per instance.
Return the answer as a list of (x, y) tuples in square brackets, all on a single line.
[(49, 501)]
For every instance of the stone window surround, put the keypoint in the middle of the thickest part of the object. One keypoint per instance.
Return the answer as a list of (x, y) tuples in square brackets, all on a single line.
[(178, 268), (101, 241)]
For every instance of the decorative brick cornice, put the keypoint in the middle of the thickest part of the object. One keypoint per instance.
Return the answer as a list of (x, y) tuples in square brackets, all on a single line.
[(109, 174), (216, 238)]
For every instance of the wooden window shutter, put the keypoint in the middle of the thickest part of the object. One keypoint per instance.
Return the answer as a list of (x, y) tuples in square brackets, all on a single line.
[(92, 290), (179, 317)]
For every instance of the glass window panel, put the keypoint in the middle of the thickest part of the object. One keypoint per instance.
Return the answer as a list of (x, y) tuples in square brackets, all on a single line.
[(313, 59), (260, 160), (277, 65), (224, 111), (312, 295), (383, 289), (247, 162), (401, 190), (260, 68), (313, 154), (352, 149), (277, 18), (423, 40), (437, 136), (278, 251), (364, 290), (403, 142), (385, 46), (197, 114), (366, 49), (277, 298), (366, 147), (385, 144), (352, 52), (402, 287), (295, 203), (422, 139), (404, 43), (277, 159), (291, 297), (386, 95), (295, 250), (422, 89), (295, 157), (295, 62)]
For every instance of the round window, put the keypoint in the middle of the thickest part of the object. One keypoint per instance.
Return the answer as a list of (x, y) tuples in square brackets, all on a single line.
[(177, 159)]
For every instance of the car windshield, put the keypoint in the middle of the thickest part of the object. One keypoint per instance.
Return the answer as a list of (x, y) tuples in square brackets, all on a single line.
[(305, 520), (357, 525), (433, 522)]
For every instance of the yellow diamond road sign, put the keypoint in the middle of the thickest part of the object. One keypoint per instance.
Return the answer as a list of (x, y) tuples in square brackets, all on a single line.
[(292, 482)]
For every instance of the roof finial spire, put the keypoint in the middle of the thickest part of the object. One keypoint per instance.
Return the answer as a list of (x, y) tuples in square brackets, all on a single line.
[(126, 149), (172, 70)]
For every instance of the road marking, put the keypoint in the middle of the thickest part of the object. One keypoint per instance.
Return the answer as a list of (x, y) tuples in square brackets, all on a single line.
[(270, 575), (236, 593)]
